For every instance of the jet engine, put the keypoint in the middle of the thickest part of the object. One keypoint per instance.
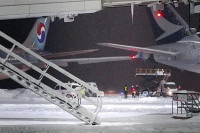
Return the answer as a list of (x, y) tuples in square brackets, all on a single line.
[(145, 56)]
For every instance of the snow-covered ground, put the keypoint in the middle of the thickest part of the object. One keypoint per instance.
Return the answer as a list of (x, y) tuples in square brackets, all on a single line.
[(23, 111)]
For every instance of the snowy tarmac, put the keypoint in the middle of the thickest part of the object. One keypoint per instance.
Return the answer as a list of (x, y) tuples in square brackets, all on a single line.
[(24, 112)]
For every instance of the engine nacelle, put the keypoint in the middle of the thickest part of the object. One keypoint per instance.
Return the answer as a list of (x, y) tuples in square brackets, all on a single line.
[(145, 56)]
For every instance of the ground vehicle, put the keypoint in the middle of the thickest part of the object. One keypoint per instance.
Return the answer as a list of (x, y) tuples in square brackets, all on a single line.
[(66, 92), (166, 88), (170, 87), (88, 92), (145, 94), (77, 87)]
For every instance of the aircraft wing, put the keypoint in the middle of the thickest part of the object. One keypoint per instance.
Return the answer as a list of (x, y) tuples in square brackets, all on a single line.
[(139, 49), (65, 54), (92, 60), (64, 62)]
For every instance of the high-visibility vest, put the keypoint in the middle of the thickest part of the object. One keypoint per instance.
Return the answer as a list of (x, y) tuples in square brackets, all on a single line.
[(83, 91), (125, 88)]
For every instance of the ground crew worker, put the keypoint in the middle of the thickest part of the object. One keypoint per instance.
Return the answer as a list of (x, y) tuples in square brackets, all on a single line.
[(179, 87), (125, 91), (137, 90), (133, 90), (79, 94)]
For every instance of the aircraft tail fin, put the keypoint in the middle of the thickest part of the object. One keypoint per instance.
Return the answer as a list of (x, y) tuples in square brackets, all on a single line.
[(36, 39), (168, 26)]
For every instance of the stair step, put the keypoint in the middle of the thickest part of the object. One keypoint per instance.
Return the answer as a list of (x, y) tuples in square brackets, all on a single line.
[(37, 86)]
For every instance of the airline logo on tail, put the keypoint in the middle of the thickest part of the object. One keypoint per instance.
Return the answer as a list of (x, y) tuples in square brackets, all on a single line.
[(168, 26), (36, 39), (41, 32)]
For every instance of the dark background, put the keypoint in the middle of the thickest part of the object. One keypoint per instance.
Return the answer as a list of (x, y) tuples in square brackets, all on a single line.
[(109, 25)]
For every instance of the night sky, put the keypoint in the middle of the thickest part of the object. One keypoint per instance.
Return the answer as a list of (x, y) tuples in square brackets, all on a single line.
[(110, 25)]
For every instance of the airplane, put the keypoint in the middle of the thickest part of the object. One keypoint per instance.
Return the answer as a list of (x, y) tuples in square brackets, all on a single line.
[(177, 44), (36, 42), (12, 9), (69, 9), (63, 9)]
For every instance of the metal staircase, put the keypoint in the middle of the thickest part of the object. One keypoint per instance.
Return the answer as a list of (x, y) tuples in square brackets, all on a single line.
[(39, 87), (187, 100), (192, 104)]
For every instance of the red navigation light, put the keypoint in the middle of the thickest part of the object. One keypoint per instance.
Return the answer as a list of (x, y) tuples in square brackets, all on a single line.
[(159, 14), (133, 57)]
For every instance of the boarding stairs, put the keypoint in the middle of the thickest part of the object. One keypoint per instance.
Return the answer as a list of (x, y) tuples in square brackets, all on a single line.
[(39, 87), (192, 104), (188, 101)]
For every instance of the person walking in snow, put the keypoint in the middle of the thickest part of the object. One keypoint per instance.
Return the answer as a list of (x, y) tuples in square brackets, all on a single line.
[(125, 91), (133, 90)]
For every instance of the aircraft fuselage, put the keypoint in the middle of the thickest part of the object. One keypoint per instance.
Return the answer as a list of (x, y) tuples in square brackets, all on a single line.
[(188, 59)]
